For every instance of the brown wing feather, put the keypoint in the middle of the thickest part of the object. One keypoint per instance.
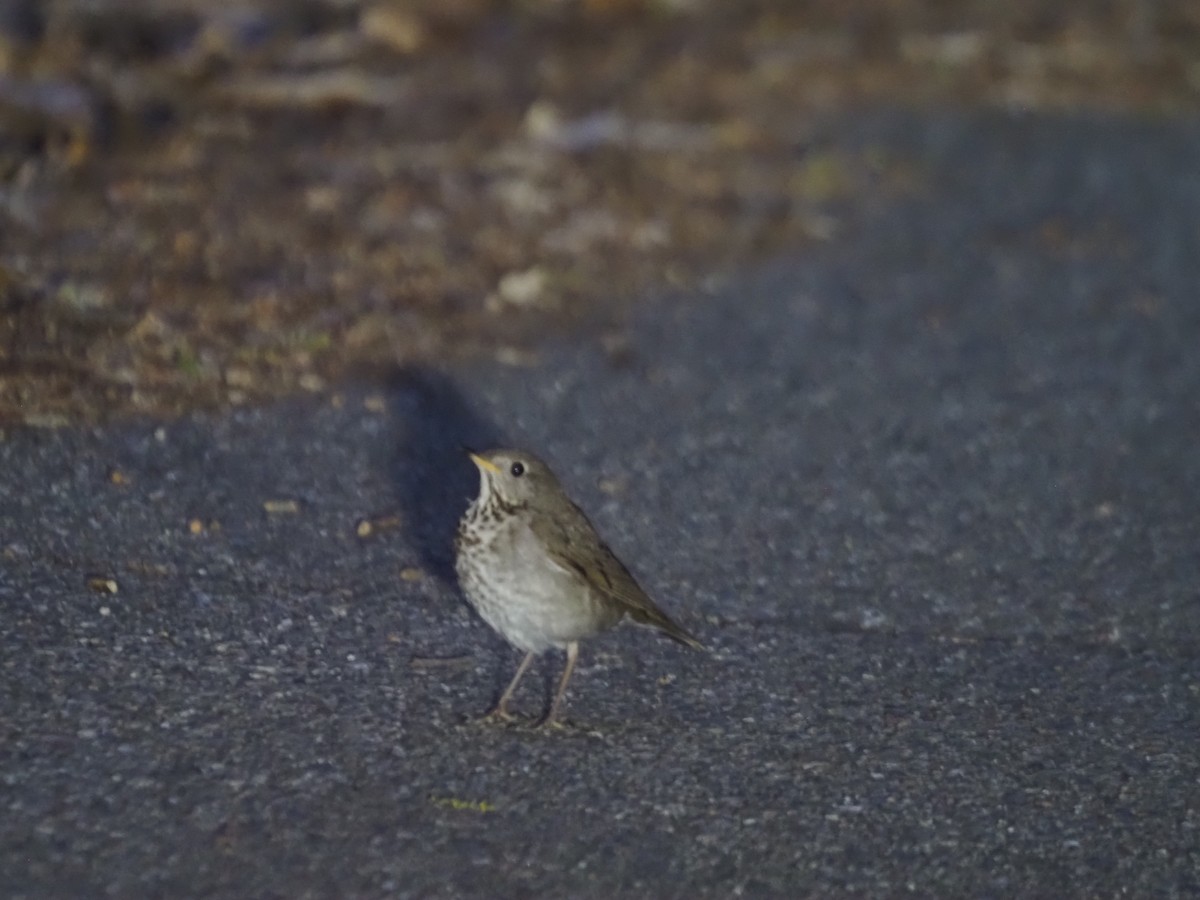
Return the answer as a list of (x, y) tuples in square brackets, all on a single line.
[(573, 543)]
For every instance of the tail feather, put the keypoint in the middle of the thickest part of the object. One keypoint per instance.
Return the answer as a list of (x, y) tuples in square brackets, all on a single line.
[(657, 619)]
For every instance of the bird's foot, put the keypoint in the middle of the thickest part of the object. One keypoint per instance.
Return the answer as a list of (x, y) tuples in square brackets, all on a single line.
[(498, 716)]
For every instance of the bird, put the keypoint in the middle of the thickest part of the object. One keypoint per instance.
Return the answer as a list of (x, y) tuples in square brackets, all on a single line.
[(535, 569)]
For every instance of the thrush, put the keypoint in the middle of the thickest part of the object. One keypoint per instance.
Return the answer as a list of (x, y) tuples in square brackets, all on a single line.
[(534, 568)]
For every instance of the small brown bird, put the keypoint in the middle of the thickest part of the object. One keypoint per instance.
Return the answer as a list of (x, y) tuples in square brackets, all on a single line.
[(534, 568)]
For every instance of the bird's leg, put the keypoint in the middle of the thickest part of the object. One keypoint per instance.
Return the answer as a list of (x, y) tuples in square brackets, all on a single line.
[(501, 709), (572, 658)]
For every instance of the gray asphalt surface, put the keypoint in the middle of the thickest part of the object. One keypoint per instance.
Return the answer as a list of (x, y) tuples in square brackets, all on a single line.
[(928, 491)]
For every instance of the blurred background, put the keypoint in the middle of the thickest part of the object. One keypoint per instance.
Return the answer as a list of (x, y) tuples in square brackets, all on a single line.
[(206, 204)]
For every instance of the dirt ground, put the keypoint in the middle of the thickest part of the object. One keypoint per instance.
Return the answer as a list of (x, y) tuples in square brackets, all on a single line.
[(205, 204)]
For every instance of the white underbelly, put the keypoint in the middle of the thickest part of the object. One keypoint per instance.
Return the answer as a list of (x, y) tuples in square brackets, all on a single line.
[(534, 603)]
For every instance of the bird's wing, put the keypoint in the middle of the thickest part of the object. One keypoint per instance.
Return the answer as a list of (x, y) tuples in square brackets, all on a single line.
[(572, 542)]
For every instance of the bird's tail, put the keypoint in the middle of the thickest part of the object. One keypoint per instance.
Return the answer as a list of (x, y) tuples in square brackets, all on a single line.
[(658, 619)]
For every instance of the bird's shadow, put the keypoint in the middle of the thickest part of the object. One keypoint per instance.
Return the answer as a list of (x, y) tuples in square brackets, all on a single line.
[(432, 476)]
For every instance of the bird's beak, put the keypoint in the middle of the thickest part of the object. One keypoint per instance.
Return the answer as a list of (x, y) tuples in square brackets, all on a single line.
[(485, 464)]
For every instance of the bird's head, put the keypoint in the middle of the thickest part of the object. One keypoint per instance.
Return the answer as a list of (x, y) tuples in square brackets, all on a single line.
[(513, 476)]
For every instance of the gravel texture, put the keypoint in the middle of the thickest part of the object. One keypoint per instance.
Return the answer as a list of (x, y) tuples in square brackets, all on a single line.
[(927, 491)]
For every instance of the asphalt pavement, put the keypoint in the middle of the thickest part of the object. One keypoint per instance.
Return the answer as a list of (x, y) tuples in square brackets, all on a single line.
[(928, 491)]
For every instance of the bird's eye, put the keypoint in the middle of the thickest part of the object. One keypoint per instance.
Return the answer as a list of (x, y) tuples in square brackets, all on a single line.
[(518, 469)]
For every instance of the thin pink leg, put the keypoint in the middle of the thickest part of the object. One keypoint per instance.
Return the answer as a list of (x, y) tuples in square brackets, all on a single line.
[(572, 658), (501, 710)]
